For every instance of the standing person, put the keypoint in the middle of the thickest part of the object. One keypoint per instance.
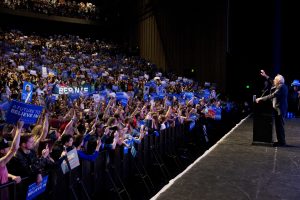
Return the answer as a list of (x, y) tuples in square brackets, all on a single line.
[(279, 96), (26, 163), (294, 98), (6, 153)]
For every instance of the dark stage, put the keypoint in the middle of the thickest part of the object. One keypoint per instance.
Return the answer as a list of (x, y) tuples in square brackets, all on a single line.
[(236, 169)]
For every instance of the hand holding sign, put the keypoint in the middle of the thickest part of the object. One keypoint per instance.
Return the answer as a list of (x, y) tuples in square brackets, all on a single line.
[(20, 124), (39, 179), (35, 189)]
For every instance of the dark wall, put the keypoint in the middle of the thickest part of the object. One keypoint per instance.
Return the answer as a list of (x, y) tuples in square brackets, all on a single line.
[(263, 35), (228, 41), (192, 35), (251, 27), (290, 40)]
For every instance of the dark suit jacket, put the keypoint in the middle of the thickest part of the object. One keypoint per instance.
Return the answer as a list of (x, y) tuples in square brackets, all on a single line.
[(279, 99)]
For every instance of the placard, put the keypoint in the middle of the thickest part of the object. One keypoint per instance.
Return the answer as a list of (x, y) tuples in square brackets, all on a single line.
[(73, 159), (26, 112), (34, 190)]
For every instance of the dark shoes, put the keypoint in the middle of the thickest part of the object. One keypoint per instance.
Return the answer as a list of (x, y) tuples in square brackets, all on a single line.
[(279, 144)]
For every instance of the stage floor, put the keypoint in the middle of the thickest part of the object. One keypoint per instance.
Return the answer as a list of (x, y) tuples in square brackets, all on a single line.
[(235, 169)]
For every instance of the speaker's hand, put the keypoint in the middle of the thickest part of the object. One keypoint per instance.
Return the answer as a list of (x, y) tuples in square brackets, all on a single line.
[(257, 100)]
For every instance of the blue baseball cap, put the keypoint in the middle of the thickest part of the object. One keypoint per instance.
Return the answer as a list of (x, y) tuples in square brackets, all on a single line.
[(295, 83)]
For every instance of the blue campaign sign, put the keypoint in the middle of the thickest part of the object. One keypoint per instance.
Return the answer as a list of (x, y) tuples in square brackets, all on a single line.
[(34, 190), (115, 88), (160, 90), (125, 150), (123, 102), (121, 95), (187, 95), (27, 92), (95, 76), (104, 93), (192, 125), (5, 105), (146, 90), (168, 103), (27, 112), (218, 115), (74, 96)]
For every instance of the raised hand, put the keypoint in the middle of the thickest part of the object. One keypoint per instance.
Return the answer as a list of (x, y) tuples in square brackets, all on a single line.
[(263, 73), (45, 152), (20, 124), (257, 100)]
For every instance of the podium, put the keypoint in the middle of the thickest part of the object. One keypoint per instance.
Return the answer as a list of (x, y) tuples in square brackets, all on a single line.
[(263, 118)]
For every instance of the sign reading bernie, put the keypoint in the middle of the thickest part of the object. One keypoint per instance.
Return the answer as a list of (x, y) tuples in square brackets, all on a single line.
[(67, 90), (70, 90)]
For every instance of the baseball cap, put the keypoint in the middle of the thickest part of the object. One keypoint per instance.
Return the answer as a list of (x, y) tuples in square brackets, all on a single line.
[(295, 83)]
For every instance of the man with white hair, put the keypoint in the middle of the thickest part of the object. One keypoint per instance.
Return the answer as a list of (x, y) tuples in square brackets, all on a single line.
[(279, 95)]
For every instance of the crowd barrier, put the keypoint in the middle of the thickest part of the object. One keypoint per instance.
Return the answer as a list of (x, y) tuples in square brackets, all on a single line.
[(116, 173)]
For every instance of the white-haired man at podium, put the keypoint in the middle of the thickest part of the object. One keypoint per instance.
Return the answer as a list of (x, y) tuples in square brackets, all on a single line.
[(279, 97)]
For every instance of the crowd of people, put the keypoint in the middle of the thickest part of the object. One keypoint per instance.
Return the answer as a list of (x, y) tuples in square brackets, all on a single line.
[(94, 98), (54, 7)]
